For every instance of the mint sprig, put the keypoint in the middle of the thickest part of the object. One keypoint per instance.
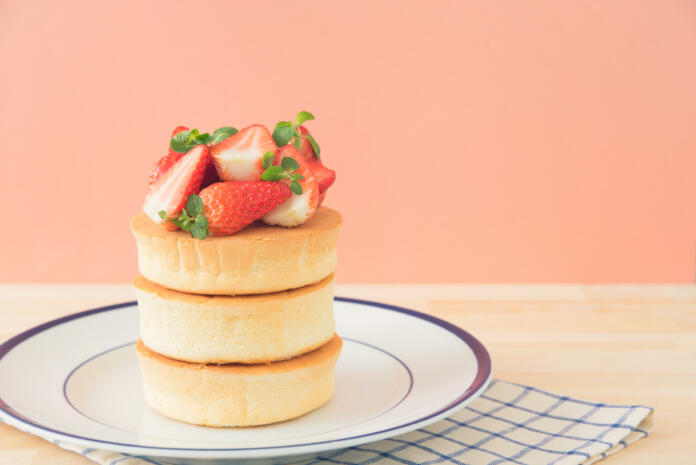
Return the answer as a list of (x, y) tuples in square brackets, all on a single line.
[(286, 170), (186, 140), (286, 131), (191, 218), (267, 160), (223, 133)]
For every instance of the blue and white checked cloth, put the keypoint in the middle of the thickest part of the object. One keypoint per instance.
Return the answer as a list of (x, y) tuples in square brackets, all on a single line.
[(508, 424)]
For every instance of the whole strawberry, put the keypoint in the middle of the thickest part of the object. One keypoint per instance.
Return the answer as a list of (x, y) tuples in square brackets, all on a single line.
[(230, 206)]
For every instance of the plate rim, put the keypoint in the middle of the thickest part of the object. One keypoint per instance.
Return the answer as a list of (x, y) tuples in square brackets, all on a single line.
[(479, 384)]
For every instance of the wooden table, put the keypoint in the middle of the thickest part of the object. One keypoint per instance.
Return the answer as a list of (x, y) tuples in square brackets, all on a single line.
[(622, 344)]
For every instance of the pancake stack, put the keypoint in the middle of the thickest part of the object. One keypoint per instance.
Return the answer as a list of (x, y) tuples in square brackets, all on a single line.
[(237, 330)]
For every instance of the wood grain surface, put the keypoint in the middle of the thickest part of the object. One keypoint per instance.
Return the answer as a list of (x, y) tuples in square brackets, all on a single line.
[(622, 344)]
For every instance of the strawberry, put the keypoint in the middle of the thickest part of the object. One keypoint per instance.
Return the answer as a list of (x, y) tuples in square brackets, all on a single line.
[(230, 206), (171, 188), (306, 147), (163, 164), (166, 162), (298, 208), (239, 157), (325, 176), (211, 175)]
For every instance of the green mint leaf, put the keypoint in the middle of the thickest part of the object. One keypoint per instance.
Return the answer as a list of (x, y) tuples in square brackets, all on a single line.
[(223, 133), (194, 205), (201, 221), (162, 214), (296, 187), (268, 158), (303, 116), (315, 146), (202, 138), (289, 164), (192, 134), (190, 218), (273, 173), (199, 231), (177, 222), (297, 142), (179, 142), (283, 133)]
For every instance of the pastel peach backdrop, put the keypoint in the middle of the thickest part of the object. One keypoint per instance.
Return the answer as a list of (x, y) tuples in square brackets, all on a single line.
[(545, 141)]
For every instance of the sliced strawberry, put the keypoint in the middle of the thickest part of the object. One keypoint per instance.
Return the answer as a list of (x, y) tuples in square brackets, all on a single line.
[(163, 164), (166, 162), (239, 157), (306, 147), (322, 196), (325, 176), (211, 175), (230, 206), (298, 208), (171, 188)]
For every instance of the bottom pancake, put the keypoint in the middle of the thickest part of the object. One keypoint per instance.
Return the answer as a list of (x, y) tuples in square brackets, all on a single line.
[(239, 395)]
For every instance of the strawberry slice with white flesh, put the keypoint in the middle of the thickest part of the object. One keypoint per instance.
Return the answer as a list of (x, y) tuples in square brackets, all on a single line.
[(298, 208), (171, 189), (239, 157)]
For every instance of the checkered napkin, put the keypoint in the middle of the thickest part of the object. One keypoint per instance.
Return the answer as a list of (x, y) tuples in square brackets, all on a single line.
[(508, 424)]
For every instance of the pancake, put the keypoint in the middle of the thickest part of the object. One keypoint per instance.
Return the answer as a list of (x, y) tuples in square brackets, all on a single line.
[(257, 328), (239, 395), (258, 259)]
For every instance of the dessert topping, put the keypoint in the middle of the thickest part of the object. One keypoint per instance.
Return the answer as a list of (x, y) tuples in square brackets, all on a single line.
[(240, 157), (224, 208), (216, 184), (171, 188), (185, 140), (286, 131), (286, 170), (300, 207)]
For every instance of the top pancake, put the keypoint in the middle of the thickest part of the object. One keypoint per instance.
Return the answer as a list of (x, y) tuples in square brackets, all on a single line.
[(258, 259)]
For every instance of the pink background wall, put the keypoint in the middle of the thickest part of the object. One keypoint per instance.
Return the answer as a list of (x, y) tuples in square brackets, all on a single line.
[(474, 141)]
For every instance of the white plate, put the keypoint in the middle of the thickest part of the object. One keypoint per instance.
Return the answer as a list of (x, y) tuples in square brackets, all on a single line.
[(77, 379)]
